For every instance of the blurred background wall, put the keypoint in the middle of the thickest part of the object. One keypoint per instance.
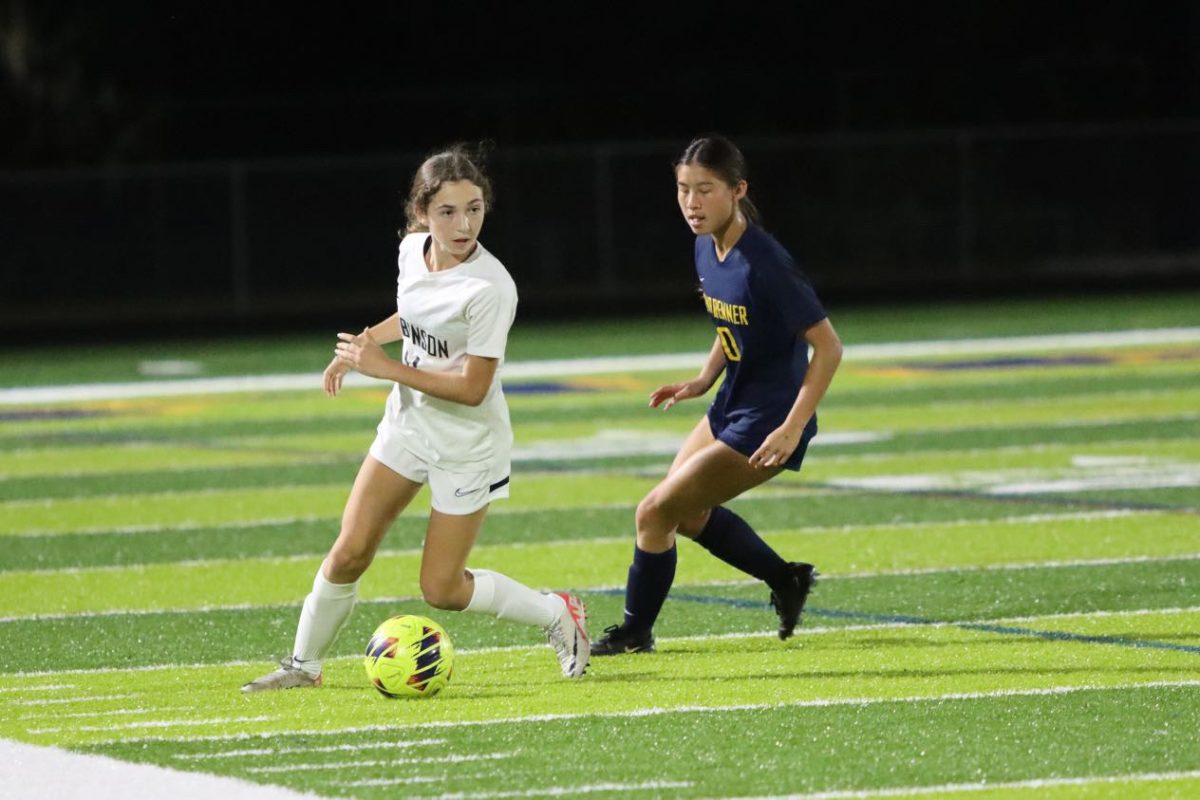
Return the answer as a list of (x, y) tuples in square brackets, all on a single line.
[(194, 167)]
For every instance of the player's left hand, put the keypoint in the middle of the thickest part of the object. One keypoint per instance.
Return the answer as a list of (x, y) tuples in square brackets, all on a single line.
[(776, 449), (363, 353)]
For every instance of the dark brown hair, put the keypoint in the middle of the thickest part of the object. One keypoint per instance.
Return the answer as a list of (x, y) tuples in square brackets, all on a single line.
[(721, 157), (459, 162)]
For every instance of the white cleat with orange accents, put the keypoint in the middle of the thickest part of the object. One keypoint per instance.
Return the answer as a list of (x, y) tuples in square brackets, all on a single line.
[(568, 636), (288, 676)]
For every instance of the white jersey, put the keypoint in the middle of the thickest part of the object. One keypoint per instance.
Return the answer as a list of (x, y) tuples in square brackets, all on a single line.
[(445, 316)]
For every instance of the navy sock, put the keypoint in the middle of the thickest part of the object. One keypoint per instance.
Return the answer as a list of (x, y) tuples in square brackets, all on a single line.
[(650, 578), (731, 539)]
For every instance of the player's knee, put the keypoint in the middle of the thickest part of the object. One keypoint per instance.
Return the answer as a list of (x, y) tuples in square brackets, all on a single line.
[(442, 594), (655, 524), (692, 525), (347, 563), (650, 513)]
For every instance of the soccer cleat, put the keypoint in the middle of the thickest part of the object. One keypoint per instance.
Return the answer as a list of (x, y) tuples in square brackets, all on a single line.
[(788, 600), (618, 640), (288, 676), (568, 636)]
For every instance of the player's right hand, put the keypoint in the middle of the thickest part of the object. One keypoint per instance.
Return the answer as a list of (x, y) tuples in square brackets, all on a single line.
[(672, 393), (334, 373)]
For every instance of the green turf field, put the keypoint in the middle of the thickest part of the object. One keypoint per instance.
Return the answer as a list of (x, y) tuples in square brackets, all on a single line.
[(1009, 542)]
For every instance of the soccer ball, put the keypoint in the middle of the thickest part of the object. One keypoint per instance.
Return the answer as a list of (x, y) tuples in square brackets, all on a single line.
[(409, 656)]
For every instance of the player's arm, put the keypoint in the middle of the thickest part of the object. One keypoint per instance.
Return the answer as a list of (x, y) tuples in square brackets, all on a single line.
[(714, 365), (385, 332), (469, 387), (672, 393), (826, 356)]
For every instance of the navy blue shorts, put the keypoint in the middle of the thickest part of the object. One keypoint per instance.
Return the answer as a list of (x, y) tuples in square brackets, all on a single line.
[(745, 435)]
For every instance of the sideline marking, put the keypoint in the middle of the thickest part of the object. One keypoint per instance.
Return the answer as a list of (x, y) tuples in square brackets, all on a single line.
[(557, 791), (71, 700), (869, 527), (593, 366), (154, 723), (802, 631), (984, 627), (450, 759), (115, 712), (50, 773), (272, 751), (1035, 783), (389, 781), (657, 711)]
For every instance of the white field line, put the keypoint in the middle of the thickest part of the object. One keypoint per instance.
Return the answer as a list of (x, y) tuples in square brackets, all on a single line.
[(628, 442), (49, 688), (48, 773), (560, 791), (820, 630), (332, 520), (575, 452), (396, 599), (1013, 519), (803, 631), (1166, 474), (656, 711), (450, 759), (71, 700), (275, 751), (807, 630), (412, 779), (1141, 612), (188, 526), (1017, 566), (594, 366), (1020, 565), (949, 788), (1181, 476), (766, 489), (116, 712), (1006, 482), (621, 442), (154, 723), (1009, 449), (788, 484)]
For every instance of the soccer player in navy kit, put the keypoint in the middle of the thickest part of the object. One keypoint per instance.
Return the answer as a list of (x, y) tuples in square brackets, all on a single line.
[(762, 418)]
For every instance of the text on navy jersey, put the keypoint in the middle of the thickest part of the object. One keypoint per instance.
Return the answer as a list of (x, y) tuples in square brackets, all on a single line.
[(726, 312)]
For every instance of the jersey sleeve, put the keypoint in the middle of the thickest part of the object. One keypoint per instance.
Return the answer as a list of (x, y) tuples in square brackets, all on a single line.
[(490, 314), (791, 295), (411, 243)]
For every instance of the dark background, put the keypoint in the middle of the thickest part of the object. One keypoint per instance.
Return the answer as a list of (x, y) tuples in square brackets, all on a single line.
[(197, 166)]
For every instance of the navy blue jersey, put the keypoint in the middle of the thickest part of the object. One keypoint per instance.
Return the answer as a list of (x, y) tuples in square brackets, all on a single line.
[(761, 305)]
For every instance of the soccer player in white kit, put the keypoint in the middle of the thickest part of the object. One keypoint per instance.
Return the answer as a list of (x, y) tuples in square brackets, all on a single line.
[(446, 424)]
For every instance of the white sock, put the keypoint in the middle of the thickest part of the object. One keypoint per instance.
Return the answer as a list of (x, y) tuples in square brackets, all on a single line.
[(505, 598), (325, 611)]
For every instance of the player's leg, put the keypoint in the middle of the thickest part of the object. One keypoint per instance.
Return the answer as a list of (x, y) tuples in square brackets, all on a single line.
[(715, 475), (651, 572), (377, 498), (447, 582), (688, 501)]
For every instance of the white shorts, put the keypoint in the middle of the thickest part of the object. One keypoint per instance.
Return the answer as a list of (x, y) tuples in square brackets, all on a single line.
[(453, 491)]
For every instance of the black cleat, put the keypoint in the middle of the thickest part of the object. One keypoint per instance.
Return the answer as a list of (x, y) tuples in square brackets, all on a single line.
[(788, 601), (618, 640)]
